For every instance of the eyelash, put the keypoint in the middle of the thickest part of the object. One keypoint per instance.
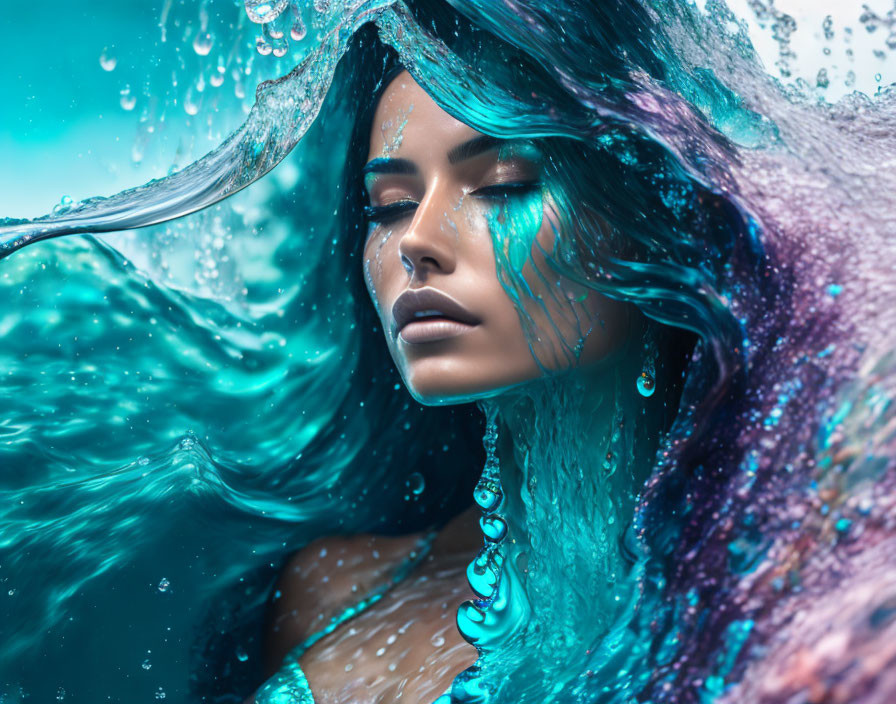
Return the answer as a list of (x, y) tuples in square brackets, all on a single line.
[(383, 214)]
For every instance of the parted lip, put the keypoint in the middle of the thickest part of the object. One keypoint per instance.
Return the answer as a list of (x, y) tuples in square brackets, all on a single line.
[(410, 304)]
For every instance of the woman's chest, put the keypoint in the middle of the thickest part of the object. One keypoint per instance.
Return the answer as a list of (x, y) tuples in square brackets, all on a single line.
[(405, 647)]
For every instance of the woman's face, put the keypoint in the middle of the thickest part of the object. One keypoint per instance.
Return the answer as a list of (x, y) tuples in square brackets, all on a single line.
[(439, 193)]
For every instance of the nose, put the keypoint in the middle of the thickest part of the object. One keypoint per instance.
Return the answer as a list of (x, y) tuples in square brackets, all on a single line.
[(429, 243)]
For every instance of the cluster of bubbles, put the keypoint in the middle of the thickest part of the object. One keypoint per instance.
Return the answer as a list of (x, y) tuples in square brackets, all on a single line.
[(276, 23)]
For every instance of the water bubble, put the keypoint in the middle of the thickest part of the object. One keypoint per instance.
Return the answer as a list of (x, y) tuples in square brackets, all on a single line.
[(60, 694), (646, 384), (263, 11), (437, 640), (298, 30), (241, 654), (274, 32), (416, 483), (146, 664), (263, 47), (280, 49), (164, 585), (143, 461), (64, 204), (108, 60), (216, 79), (127, 100), (160, 693), (202, 42)]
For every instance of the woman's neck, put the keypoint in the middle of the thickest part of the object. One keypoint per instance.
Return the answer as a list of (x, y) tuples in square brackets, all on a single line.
[(573, 452)]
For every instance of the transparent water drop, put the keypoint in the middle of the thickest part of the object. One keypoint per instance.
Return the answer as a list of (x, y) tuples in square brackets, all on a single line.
[(108, 61), (274, 32), (164, 585), (146, 664), (241, 654), (262, 47), (416, 483), (263, 11), (437, 640), (646, 384), (127, 101), (191, 107), (60, 694), (280, 48), (160, 693), (203, 42), (298, 30), (216, 79)]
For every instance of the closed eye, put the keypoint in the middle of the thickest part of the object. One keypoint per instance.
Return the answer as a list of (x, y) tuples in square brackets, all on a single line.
[(381, 214), (506, 190)]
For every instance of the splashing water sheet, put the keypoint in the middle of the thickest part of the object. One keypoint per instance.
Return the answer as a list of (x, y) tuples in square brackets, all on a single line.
[(186, 384)]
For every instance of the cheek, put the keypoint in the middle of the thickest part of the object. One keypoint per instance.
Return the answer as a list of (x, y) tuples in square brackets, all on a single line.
[(376, 267)]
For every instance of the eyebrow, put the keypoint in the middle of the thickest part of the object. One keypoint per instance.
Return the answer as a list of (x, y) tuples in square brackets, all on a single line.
[(466, 150), (389, 166), (473, 147)]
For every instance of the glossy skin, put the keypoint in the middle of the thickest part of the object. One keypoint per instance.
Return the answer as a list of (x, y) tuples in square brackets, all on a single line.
[(404, 648), (439, 202)]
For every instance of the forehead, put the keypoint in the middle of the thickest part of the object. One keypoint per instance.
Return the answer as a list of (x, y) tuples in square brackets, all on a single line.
[(408, 123)]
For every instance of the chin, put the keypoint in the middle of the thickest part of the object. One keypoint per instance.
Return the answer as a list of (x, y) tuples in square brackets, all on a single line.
[(449, 382)]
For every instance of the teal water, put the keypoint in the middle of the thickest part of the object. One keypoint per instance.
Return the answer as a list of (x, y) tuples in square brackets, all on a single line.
[(182, 401)]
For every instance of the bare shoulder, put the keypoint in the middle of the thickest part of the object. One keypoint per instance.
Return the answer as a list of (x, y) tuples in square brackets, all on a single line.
[(323, 578)]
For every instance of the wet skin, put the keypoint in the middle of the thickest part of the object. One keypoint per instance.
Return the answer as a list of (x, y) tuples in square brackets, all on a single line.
[(433, 184)]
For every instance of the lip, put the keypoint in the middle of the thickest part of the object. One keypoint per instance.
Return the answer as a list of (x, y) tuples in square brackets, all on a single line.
[(445, 317)]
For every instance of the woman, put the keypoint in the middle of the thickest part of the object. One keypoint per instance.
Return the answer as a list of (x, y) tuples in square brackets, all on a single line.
[(431, 204)]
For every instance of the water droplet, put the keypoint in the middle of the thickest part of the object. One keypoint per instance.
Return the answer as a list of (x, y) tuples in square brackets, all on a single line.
[(160, 693), (143, 461), (416, 483), (263, 11), (216, 79), (493, 527), (646, 384), (146, 664), (108, 60), (127, 100), (298, 30), (487, 495), (280, 49), (202, 42), (263, 47), (164, 585), (241, 654), (191, 107), (60, 694), (437, 640)]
